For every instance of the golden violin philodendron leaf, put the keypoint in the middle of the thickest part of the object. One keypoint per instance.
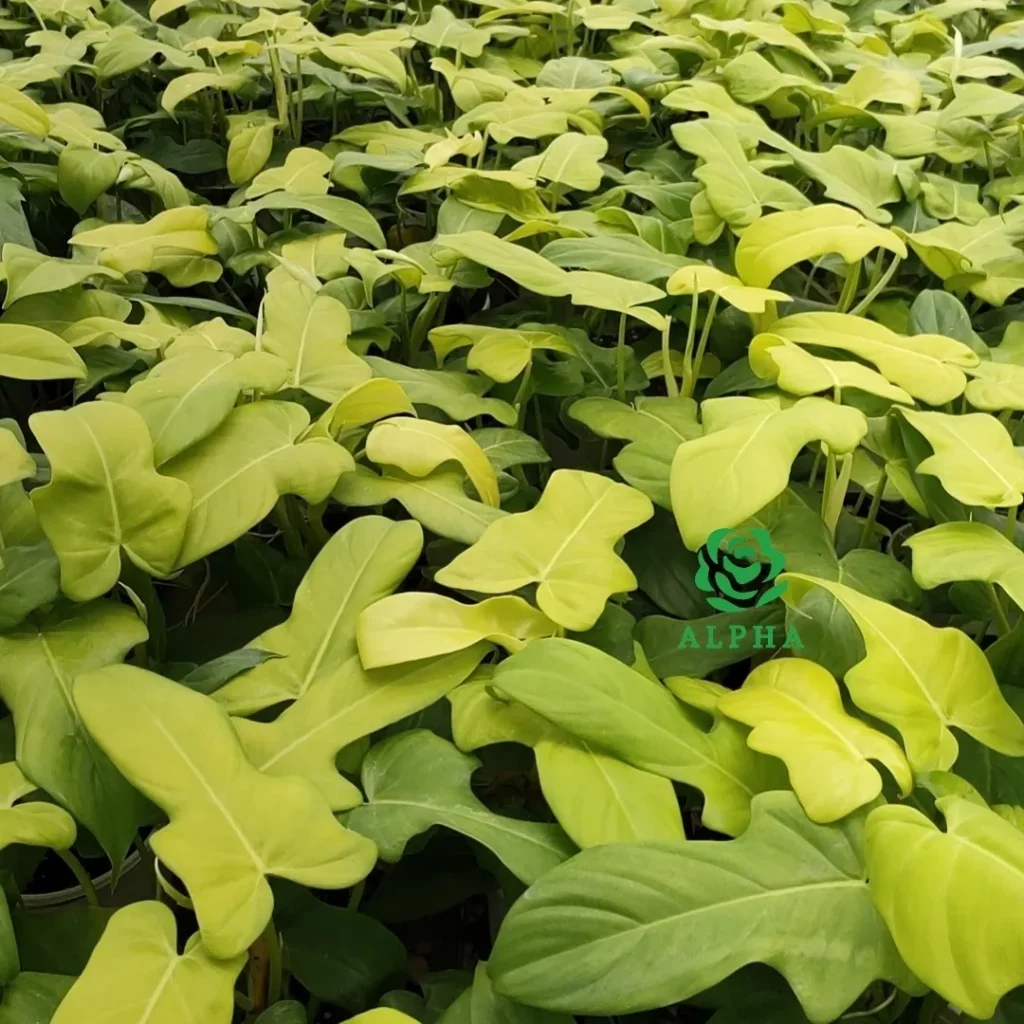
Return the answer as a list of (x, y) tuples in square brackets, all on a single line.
[(231, 826)]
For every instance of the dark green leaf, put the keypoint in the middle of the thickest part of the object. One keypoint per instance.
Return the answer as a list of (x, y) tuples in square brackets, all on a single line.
[(340, 956)]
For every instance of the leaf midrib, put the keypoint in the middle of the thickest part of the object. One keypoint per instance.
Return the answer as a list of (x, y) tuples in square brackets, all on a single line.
[(578, 951), (482, 817), (244, 469), (961, 439), (111, 497), (183, 399), (328, 636), (210, 792)]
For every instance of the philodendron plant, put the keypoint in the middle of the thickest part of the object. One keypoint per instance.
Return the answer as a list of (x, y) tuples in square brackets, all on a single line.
[(509, 511)]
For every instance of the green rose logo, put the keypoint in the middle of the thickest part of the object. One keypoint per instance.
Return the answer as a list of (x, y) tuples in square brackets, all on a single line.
[(738, 569)]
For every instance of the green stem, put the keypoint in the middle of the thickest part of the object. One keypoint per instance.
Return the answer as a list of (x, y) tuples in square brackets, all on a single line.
[(425, 319), (274, 974), (876, 504), (522, 396), (1010, 530), (666, 360), (141, 652), (874, 1011), (81, 876), (703, 343), (299, 100), (280, 89), (166, 888), (620, 359), (815, 466), (691, 335), (849, 292), (292, 539), (316, 524), (876, 270), (837, 494), (997, 607), (355, 897), (873, 293), (421, 325), (828, 484), (405, 316)]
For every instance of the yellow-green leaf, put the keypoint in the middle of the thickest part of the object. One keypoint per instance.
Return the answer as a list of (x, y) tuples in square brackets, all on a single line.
[(15, 462), (184, 86), (304, 170), (248, 151), (363, 562), (415, 780), (36, 823), (566, 544), (920, 679), (31, 273), (736, 191), (744, 459), (596, 797), (38, 664), (950, 898), (186, 398), (996, 386), (22, 113), (616, 709), (800, 373), (309, 332), (230, 825), (968, 551), (796, 712), (702, 277), (418, 447), (342, 707), (238, 472), (438, 501), (500, 352), (928, 366), (372, 400), (780, 240), (522, 265), (571, 159), (616, 294), (167, 244), (974, 457), (137, 958), (406, 627), (105, 496)]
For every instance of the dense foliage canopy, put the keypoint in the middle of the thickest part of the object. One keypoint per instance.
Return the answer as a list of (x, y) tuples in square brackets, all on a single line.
[(509, 510)]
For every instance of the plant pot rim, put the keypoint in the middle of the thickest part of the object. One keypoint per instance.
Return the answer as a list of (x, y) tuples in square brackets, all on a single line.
[(60, 897)]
